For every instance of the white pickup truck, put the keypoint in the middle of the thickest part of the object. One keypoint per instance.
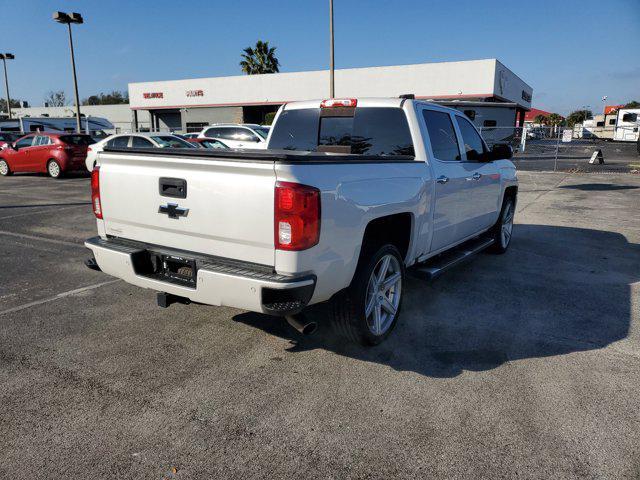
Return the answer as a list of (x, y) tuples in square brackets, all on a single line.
[(348, 196)]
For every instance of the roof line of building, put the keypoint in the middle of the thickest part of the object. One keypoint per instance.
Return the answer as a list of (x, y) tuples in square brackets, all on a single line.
[(254, 104), (325, 70)]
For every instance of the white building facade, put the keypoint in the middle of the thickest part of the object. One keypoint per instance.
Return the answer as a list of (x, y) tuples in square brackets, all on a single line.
[(188, 105)]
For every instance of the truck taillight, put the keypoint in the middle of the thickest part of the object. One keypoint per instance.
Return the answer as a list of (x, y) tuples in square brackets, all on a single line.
[(296, 216), (339, 102), (95, 192)]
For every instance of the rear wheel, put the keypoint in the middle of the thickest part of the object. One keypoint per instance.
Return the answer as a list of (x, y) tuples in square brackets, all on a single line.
[(503, 230), (53, 169), (368, 310), (4, 168)]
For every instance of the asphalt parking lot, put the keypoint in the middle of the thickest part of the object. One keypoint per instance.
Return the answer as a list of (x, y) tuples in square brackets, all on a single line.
[(524, 365)]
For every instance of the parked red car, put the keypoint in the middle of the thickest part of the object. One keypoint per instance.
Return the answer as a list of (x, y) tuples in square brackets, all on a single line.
[(52, 153)]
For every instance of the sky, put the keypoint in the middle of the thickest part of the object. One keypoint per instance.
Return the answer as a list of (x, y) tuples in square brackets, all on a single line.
[(571, 52)]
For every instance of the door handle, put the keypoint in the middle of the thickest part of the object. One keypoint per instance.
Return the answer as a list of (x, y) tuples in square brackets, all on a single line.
[(442, 179), (476, 176)]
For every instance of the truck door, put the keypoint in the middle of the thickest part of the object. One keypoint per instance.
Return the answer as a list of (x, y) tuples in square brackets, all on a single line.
[(483, 176), (453, 192)]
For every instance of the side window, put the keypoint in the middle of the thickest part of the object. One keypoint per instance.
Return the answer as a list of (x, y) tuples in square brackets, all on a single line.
[(139, 142), (25, 142), (43, 140), (119, 142), (37, 141), (473, 144), (217, 133), (244, 135), (489, 123), (630, 117), (612, 121), (442, 135)]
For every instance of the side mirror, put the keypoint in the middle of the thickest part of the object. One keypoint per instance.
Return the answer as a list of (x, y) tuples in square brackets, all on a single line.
[(500, 151)]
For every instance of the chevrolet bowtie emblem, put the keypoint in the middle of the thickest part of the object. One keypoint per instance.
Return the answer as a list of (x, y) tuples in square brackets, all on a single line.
[(173, 210)]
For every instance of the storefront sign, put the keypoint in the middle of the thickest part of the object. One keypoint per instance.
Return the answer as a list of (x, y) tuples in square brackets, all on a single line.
[(153, 95), (195, 93)]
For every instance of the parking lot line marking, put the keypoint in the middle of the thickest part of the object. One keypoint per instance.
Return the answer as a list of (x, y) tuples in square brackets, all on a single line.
[(42, 211), (43, 239), (57, 297)]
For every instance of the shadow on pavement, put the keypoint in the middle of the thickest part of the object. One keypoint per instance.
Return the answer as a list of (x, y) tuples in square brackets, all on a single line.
[(558, 290), (46, 205), (599, 187)]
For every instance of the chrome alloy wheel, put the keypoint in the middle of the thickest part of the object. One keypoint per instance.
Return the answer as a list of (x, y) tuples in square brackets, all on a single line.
[(4, 168), (383, 294), (54, 169), (506, 229)]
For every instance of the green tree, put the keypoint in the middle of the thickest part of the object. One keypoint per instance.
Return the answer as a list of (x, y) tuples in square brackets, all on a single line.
[(113, 98), (578, 116), (259, 59), (540, 120), (632, 104), (56, 99), (3, 104), (555, 119)]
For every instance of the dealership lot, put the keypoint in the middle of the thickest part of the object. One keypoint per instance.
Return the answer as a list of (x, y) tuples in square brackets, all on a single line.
[(526, 364)]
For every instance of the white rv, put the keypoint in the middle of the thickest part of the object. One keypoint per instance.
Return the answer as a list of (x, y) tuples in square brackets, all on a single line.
[(96, 126), (627, 125)]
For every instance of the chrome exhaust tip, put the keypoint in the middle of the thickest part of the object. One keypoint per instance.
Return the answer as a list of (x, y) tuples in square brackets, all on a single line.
[(300, 322)]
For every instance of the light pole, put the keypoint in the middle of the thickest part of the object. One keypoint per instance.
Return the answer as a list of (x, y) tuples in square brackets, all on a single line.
[(70, 18), (332, 90), (5, 57), (585, 108)]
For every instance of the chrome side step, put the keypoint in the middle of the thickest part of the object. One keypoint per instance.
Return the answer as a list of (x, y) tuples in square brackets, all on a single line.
[(436, 266)]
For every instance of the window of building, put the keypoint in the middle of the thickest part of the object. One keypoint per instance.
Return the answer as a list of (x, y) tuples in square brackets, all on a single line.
[(442, 135), (612, 121)]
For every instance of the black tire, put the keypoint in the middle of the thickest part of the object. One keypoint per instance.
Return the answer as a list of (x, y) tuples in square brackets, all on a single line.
[(349, 306), (5, 171), (499, 246), (54, 170)]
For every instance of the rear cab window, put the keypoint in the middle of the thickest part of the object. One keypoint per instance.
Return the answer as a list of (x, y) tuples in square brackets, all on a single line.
[(375, 131), (442, 135), (82, 140)]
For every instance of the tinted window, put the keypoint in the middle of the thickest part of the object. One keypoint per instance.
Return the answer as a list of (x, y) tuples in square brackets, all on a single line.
[(24, 142), (166, 141), (471, 114), (612, 121), (296, 130), (119, 142), (489, 123), (213, 144), (371, 131), (77, 139), (216, 132), (263, 132), (139, 142), (630, 117), (442, 135), (473, 143), (600, 124)]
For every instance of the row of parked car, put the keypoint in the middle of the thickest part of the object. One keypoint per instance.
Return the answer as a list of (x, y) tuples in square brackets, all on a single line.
[(56, 153)]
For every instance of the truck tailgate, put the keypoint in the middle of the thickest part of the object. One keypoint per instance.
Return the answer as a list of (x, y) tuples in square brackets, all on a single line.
[(227, 209)]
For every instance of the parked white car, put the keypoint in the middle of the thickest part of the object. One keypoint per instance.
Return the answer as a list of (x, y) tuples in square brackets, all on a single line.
[(350, 195), (135, 140), (238, 135)]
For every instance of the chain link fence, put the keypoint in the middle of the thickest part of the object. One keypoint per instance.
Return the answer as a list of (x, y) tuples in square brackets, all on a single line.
[(563, 148)]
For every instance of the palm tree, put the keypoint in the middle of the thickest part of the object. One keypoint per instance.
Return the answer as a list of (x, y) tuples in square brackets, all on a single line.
[(259, 59), (540, 120), (555, 119)]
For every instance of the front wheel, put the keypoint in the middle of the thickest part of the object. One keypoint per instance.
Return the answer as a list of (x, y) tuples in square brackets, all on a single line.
[(53, 169), (368, 310), (4, 168), (503, 230)]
